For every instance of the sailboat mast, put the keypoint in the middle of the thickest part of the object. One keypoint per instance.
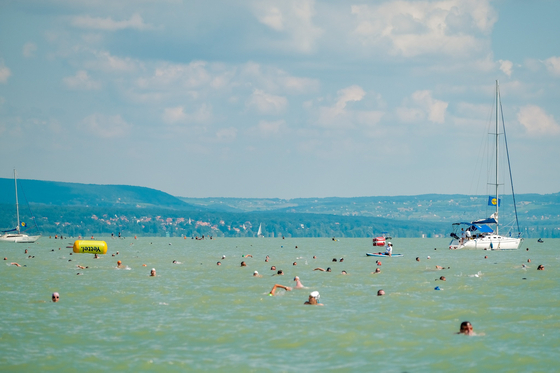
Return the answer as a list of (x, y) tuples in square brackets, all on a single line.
[(497, 153), (17, 204)]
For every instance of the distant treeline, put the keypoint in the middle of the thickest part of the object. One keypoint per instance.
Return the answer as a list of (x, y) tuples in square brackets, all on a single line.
[(86, 221)]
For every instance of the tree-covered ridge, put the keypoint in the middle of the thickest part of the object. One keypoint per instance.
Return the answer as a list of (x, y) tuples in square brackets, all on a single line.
[(83, 209)]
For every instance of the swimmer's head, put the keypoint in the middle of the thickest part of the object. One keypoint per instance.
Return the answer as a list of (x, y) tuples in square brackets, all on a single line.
[(255, 273), (55, 297), (329, 269), (296, 278), (380, 292), (466, 328), (315, 294), (118, 262)]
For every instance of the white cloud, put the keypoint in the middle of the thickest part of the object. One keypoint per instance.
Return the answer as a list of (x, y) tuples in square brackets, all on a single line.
[(506, 67), (226, 134), (537, 122), (337, 115), (81, 81), (178, 115), (456, 28), (108, 24), (29, 50), (104, 61), (293, 18), (270, 128), (272, 79), (106, 126), (266, 103), (422, 105), (4, 72), (553, 65)]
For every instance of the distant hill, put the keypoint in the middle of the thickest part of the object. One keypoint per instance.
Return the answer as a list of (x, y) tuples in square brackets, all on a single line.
[(74, 194), (86, 209)]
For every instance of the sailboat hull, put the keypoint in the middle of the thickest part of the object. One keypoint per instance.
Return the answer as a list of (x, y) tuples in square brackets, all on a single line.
[(18, 238), (490, 242)]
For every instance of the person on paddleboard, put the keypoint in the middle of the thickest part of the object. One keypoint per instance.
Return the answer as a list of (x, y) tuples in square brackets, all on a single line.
[(389, 249)]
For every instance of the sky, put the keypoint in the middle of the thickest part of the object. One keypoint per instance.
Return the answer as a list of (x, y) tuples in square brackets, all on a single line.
[(278, 99)]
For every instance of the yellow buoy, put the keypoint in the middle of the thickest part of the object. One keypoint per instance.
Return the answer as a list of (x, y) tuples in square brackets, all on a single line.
[(90, 247)]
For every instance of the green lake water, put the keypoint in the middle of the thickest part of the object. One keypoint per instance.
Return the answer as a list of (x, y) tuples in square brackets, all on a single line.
[(197, 316)]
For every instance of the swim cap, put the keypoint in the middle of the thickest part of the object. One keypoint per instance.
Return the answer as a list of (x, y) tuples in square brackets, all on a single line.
[(255, 273), (296, 278), (437, 288), (153, 269), (315, 294), (118, 262)]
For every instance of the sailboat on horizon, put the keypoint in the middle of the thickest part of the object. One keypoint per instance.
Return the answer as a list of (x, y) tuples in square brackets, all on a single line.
[(478, 234), (259, 233), (14, 235)]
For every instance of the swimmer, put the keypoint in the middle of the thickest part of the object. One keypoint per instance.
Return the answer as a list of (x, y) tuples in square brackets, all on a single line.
[(95, 256), (442, 278), (279, 273), (380, 292), (528, 260), (55, 297), (377, 270), (243, 264), (466, 328), (256, 274), (219, 263), (379, 262), (273, 268), (341, 260), (344, 272), (313, 299), (295, 264), (223, 257), (119, 264), (299, 285), (439, 267), (276, 286), (247, 256), (314, 256), (322, 270), (334, 260), (417, 259), (15, 264), (81, 267), (540, 267), (153, 272)]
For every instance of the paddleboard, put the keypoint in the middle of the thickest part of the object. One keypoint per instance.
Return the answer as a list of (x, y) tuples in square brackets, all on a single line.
[(384, 255)]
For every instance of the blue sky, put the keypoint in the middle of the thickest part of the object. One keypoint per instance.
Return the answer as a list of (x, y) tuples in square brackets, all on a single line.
[(278, 98)]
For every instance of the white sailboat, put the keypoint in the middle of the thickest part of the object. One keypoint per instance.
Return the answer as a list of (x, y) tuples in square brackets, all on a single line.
[(259, 233), (478, 234), (14, 235)]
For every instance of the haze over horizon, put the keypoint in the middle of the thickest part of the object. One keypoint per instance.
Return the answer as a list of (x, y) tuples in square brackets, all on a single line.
[(278, 99)]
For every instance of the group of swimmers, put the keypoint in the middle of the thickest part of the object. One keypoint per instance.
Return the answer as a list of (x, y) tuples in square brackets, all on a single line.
[(314, 297)]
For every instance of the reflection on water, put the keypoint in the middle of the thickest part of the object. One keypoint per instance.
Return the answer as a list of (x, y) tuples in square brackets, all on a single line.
[(197, 315)]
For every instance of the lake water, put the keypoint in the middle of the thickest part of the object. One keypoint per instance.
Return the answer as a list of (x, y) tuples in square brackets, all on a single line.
[(199, 316)]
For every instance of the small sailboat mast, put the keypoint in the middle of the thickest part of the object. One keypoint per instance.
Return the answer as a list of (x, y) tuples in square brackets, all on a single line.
[(497, 153), (17, 203)]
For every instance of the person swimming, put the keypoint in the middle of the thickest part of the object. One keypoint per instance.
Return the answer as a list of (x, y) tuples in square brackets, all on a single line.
[(153, 272), (466, 328), (299, 285), (276, 286), (55, 297), (313, 299)]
